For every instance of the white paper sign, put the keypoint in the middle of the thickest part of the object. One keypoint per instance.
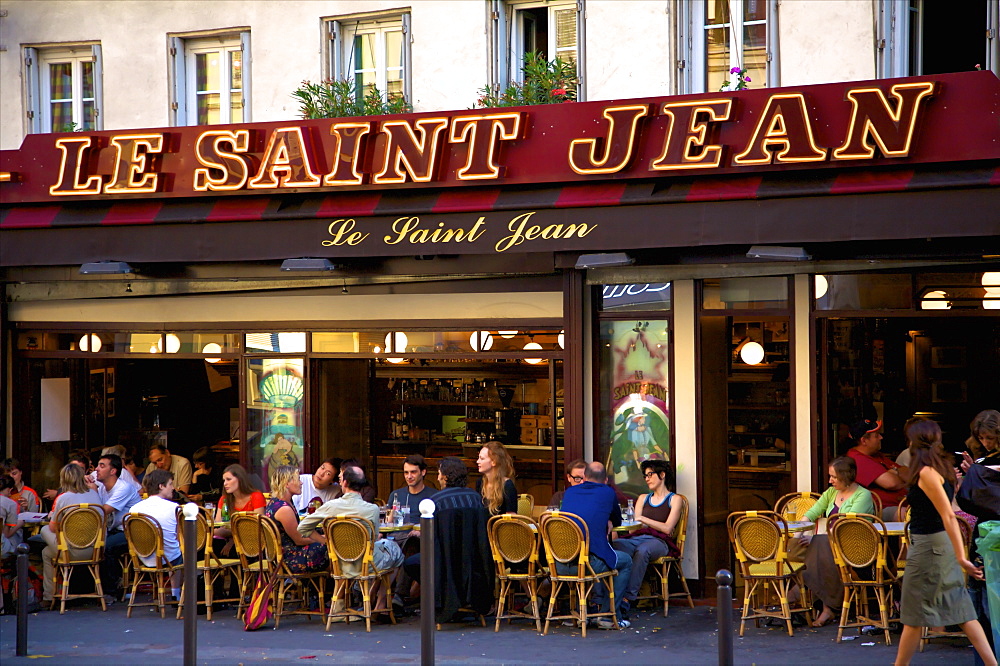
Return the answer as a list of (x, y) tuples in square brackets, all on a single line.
[(55, 409)]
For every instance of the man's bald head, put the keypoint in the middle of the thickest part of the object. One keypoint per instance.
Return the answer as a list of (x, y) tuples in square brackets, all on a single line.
[(596, 473)]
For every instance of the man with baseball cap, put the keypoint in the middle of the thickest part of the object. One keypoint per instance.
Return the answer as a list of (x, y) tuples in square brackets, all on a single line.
[(876, 471)]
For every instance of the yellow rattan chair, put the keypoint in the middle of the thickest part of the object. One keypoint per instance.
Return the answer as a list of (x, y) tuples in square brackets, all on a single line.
[(525, 504), (926, 634), (793, 506), (859, 546), (249, 542), (210, 566), (665, 565), (145, 539), (759, 541), (80, 528), (567, 542), (514, 541), (351, 545), (877, 503)]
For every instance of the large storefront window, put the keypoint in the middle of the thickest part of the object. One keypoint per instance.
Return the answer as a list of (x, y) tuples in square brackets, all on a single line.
[(275, 411)]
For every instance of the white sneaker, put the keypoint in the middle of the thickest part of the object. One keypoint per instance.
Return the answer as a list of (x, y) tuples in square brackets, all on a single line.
[(605, 623)]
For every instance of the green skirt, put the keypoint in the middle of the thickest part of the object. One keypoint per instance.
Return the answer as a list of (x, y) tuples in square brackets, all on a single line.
[(934, 591)]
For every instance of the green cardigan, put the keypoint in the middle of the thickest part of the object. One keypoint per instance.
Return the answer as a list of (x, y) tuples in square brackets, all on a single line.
[(859, 502)]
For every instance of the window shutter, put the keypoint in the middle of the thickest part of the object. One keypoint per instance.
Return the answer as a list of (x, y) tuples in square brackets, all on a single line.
[(247, 78), (407, 74), (336, 51), (178, 90), (33, 99), (98, 86), (771, 38)]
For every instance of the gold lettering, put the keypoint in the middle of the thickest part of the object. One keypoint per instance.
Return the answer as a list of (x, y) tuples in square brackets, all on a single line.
[(617, 145), (521, 232), (784, 124), (75, 156), (231, 169), (401, 228), (872, 117), (285, 162), (483, 146), (347, 153), (342, 232), (130, 172), (404, 151), (694, 117)]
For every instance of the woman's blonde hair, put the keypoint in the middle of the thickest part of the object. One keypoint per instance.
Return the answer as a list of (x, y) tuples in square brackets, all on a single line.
[(494, 480), (71, 479), (281, 476)]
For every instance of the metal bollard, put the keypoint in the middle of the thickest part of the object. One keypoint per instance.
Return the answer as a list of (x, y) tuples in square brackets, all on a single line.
[(724, 603), (22, 600), (427, 611), (190, 584)]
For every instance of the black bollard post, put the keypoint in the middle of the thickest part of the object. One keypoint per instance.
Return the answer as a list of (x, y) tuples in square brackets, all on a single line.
[(22, 600), (427, 580), (724, 602), (190, 555)]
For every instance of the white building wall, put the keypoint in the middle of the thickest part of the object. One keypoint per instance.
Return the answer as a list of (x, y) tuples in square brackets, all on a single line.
[(823, 41), (629, 51)]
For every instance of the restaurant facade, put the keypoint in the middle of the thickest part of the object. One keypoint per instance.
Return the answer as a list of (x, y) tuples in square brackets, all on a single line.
[(723, 280)]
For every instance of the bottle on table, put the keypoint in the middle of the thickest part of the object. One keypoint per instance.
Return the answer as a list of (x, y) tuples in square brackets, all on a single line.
[(225, 512), (630, 512)]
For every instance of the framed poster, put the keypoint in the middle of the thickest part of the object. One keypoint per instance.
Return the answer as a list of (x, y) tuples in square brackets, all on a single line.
[(947, 357)]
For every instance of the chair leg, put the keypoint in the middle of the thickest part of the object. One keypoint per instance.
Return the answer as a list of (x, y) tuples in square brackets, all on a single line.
[(749, 589), (501, 600), (883, 613), (209, 585), (67, 572), (136, 579), (180, 602), (845, 611), (556, 584), (781, 589), (533, 594)]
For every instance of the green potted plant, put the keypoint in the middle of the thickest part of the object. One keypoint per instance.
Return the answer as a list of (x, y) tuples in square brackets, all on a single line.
[(543, 82)]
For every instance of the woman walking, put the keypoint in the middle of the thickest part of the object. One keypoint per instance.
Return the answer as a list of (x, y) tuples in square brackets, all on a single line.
[(934, 591)]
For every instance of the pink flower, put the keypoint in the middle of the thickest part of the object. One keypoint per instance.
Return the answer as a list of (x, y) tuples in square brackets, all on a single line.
[(735, 70), (747, 79)]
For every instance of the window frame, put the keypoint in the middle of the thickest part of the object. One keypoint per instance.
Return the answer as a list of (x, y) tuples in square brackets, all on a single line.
[(38, 88), (508, 31), (341, 32), (183, 56), (692, 52)]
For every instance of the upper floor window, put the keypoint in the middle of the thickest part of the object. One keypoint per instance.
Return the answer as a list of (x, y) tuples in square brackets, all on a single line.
[(211, 79), (720, 36), (550, 28), (917, 37), (374, 52), (64, 88)]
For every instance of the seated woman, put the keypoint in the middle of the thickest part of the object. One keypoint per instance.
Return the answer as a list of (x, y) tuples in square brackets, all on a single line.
[(237, 495), (206, 484), (302, 554), (497, 483), (658, 511), (844, 495)]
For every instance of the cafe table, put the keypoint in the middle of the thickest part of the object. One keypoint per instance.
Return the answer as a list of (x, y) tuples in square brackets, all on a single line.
[(388, 529), (797, 525), (628, 527), (33, 521)]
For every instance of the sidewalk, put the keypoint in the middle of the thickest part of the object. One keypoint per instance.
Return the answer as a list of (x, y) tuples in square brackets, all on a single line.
[(85, 635)]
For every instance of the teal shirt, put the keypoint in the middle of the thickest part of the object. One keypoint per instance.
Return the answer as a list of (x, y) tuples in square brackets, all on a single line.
[(859, 502)]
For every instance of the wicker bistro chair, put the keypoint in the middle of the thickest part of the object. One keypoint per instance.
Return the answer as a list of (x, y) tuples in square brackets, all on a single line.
[(81, 527), (793, 506), (759, 542), (525, 504), (877, 503), (145, 539), (254, 533), (250, 548), (926, 633), (860, 549), (567, 542), (351, 545), (664, 565), (514, 541), (210, 565)]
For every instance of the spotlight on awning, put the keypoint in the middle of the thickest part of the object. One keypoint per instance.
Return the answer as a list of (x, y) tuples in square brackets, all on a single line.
[(106, 268), (778, 253), (307, 264), (604, 259)]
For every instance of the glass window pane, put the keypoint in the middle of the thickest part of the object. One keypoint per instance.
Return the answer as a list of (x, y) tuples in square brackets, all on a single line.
[(565, 20), (634, 398), (208, 108), (635, 297), (754, 10), (755, 54), (394, 48), (717, 54), (87, 75), (207, 71), (236, 70), (275, 413), (862, 292), (89, 119), (61, 81), (336, 342), (236, 107), (285, 342), (364, 51), (716, 12), (745, 293), (62, 116)]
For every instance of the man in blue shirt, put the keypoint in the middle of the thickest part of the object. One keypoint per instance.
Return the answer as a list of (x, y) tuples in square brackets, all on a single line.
[(595, 502)]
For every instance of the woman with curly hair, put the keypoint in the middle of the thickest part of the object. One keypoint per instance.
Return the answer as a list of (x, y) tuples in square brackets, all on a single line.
[(497, 482)]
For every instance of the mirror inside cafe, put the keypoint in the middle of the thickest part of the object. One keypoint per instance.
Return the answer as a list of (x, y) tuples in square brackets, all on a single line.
[(374, 396)]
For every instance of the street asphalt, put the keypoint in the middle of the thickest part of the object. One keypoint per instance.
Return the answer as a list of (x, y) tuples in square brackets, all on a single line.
[(85, 635)]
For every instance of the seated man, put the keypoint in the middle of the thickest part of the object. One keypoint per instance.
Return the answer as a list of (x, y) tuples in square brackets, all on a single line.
[(321, 484), (464, 571), (161, 458), (386, 555), (876, 471), (410, 496), (117, 496), (369, 493), (159, 485), (594, 501), (574, 477)]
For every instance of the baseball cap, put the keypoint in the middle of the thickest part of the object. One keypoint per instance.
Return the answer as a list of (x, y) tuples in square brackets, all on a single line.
[(863, 427)]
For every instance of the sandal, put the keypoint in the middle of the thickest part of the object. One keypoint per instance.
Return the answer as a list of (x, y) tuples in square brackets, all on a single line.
[(822, 623)]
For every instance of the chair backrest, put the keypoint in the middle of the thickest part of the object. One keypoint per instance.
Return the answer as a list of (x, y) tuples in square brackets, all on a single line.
[(877, 501), (349, 541), (525, 504), (203, 533), (757, 537), (256, 536), (567, 541), (793, 506), (680, 530), (858, 541), (145, 539), (513, 539), (81, 526), (903, 511)]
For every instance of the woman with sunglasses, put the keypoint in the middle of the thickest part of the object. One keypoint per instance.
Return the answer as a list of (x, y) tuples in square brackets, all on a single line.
[(658, 511)]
